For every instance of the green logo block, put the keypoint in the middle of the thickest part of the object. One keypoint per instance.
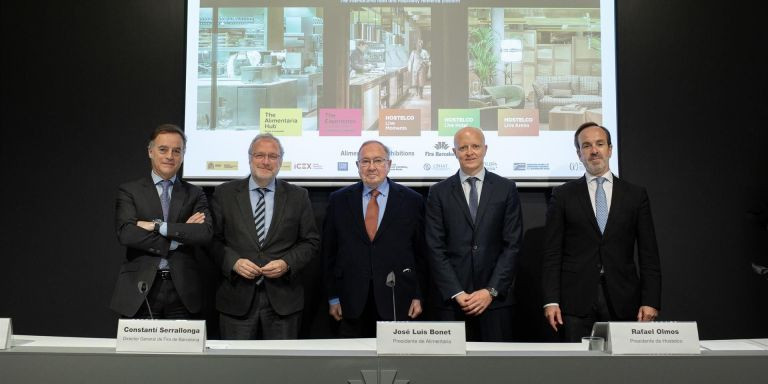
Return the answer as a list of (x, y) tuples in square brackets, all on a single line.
[(280, 121), (451, 120)]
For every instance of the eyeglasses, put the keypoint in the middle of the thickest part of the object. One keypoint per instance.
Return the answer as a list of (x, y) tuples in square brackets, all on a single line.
[(377, 162), (261, 156)]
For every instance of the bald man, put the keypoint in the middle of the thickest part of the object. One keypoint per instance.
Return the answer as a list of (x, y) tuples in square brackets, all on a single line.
[(473, 231)]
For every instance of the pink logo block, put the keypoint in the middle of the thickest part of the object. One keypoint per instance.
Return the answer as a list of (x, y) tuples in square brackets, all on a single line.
[(340, 122)]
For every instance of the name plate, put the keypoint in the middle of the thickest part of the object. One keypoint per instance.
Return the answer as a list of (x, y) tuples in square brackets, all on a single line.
[(174, 336), (6, 333), (662, 338), (421, 338)]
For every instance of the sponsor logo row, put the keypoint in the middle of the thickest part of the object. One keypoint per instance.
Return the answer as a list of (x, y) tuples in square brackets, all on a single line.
[(439, 149)]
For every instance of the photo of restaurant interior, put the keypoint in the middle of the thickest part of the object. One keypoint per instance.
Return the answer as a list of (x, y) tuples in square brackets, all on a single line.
[(390, 61), (254, 57)]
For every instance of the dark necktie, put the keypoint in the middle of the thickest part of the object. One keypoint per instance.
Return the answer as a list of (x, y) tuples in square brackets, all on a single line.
[(165, 198), (372, 215), (165, 202), (261, 216), (601, 204), (472, 197)]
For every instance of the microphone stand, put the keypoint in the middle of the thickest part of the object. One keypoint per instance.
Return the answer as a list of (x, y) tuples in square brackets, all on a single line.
[(391, 283), (143, 291), (394, 314)]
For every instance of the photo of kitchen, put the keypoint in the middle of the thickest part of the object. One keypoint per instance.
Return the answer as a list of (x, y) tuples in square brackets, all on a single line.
[(389, 62), (258, 57)]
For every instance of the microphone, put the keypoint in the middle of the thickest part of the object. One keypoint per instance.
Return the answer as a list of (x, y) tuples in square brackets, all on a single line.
[(143, 288), (391, 283)]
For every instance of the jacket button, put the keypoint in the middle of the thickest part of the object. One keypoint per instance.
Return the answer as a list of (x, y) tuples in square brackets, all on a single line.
[(474, 247)]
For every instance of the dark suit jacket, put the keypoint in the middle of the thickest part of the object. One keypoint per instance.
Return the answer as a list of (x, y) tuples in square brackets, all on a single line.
[(292, 237), (574, 250), (352, 260), (139, 201), (467, 256)]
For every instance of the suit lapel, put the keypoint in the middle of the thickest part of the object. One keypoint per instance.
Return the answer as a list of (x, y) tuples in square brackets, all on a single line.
[(616, 203), (485, 196), (586, 203), (355, 203), (243, 197), (151, 196), (458, 195), (281, 196), (178, 196), (394, 200)]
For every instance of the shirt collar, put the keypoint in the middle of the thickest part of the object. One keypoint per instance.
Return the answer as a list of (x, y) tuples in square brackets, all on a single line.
[(480, 175), (252, 185), (156, 178), (383, 188), (608, 176)]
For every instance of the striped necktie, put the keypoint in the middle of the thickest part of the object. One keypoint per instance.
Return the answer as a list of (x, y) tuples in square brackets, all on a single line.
[(260, 216)]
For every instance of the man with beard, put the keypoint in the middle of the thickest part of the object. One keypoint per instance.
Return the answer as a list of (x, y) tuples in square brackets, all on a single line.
[(264, 234), (593, 224)]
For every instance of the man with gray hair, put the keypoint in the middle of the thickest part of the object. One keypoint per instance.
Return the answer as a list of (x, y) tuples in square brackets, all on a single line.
[(373, 242), (264, 234), (160, 219)]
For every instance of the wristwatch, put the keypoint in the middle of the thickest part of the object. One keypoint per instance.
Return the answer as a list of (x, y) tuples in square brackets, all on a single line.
[(494, 293), (158, 223)]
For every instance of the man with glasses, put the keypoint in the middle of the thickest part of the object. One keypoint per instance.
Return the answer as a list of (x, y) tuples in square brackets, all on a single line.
[(474, 229), (264, 234), (373, 229), (160, 219)]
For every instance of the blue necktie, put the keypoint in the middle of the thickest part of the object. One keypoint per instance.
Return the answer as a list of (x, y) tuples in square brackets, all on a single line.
[(472, 197), (165, 202), (601, 204)]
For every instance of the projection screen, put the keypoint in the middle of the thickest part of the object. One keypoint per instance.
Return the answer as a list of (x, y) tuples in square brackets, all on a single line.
[(325, 76)]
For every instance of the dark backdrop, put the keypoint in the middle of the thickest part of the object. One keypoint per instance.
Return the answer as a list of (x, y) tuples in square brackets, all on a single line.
[(83, 83)]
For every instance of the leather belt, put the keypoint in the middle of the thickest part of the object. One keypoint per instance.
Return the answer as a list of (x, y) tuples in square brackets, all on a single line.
[(164, 274)]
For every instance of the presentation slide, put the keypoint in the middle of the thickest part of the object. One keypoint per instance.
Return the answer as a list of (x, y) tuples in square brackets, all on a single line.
[(327, 76)]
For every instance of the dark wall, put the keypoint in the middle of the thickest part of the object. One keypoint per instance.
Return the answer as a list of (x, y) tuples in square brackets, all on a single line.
[(83, 83)]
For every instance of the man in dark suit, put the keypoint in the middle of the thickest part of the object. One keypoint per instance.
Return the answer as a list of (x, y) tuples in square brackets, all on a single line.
[(372, 229), (264, 234), (160, 219), (473, 230), (593, 224)]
